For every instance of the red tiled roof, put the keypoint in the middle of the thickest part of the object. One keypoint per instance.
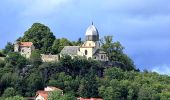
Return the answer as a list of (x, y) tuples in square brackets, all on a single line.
[(44, 94), (26, 44)]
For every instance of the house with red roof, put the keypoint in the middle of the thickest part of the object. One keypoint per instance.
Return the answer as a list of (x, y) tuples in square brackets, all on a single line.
[(24, 48), (43, 94)]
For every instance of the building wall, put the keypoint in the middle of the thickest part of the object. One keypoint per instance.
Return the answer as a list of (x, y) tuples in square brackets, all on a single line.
[(49, 58), (89, 52), (91, 44), (39, 97), (26, 51), (101, 57), (90, 47)]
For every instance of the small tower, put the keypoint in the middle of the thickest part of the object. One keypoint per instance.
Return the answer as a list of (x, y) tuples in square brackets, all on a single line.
[(16, 46)]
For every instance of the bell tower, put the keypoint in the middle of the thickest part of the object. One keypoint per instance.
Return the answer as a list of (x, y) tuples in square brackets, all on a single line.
[(92, 42)]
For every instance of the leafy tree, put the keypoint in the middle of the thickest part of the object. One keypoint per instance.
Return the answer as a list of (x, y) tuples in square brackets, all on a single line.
[(8, 48), (9, 92), (57, 95), (35, 57), (115, 53), (15, 98), (41, 36), (88, 86), (16, 60), (34, 83), (56, 46)]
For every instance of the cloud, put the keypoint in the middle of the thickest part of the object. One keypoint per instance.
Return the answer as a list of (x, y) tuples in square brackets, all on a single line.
[(164, 69)]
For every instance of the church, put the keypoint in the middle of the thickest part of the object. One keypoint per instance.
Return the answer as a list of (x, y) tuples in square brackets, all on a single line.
[(90, 48)]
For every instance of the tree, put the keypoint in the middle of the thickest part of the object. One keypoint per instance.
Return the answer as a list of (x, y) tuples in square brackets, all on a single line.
[(9, 92), (115, 53), (8, 48), (57, 95), (41, 36), (88, 86), (16, 60), (15, 98), (56, 46), (35, 58), (34, 83)]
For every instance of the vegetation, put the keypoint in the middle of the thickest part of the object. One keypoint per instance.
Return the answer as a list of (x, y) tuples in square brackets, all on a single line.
[(77, 77)]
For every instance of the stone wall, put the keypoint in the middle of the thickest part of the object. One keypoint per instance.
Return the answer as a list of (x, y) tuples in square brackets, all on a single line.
[(50, 58)]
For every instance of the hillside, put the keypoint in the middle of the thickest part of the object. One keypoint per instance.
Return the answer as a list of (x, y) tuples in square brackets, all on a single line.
[(77, 76)]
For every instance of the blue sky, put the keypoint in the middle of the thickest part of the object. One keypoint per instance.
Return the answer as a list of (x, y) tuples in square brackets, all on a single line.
[(142, 26)]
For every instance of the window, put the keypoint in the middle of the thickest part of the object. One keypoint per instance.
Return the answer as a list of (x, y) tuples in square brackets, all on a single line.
[(85, 52), (89, 44), (22, 50), (101, 56)]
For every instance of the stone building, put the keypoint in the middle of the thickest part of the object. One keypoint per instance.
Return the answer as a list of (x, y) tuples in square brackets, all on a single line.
[(24, 48), (90, 48)]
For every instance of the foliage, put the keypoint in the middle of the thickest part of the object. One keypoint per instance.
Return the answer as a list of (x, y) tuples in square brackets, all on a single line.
[(41, 36), (77, 77), (16, 60), (9, 92), (8, 48), (115, 53), (59, 44), (35, 57), (15, 98), (57, 95)]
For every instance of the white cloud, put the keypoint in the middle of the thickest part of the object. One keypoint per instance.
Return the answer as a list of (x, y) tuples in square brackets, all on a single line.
[(164, 69)]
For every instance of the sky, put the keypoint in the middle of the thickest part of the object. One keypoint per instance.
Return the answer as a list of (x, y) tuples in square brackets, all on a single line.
[(142, 26)]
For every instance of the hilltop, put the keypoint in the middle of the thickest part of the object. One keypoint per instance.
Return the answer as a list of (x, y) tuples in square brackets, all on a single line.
[(76, 76)]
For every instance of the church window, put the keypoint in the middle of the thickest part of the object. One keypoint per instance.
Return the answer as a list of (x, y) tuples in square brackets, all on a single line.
[(85, 52)]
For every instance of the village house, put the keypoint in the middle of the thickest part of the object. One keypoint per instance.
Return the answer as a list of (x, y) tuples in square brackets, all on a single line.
[(43, 94), (24, 48)]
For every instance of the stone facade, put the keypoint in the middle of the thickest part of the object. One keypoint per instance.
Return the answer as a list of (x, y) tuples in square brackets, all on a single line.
[(24, 48), (90, 48), (50, 58)]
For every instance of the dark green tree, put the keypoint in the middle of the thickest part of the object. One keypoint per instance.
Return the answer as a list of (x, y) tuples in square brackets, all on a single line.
[(115, 53), (35, 58), (8, 48), (16, 60), (41, 36), (9, 92)]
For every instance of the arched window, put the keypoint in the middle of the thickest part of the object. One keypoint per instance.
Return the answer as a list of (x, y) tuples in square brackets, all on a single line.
[(85, 52)]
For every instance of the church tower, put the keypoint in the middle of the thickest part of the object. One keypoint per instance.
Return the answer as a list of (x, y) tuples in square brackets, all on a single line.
[(92, 42)]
